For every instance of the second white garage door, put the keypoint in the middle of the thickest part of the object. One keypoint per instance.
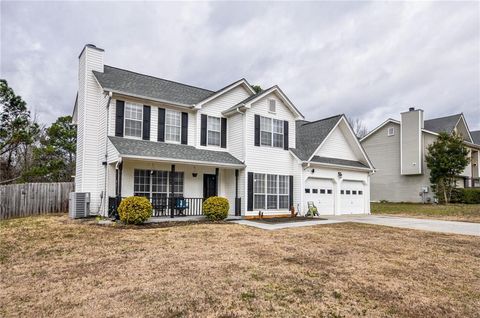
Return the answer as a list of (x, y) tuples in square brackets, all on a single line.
[(321, 193), (352, 197)]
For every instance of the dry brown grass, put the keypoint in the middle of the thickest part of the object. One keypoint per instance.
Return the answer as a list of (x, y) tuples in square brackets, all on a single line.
[(447, 212), (54, 267)]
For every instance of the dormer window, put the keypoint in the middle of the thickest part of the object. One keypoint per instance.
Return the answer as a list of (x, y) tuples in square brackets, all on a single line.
[(133, 120), (391, 131), (272, 105)]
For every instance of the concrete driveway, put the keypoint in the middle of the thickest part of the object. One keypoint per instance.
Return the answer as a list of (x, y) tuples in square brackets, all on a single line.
[(411, 223)]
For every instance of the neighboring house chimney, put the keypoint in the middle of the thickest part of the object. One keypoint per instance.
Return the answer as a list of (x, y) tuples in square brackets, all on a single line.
[(88, 113), (411, 142)]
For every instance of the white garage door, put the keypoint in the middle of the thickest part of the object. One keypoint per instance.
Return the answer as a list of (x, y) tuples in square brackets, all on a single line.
[(321, 193), (352, 197)]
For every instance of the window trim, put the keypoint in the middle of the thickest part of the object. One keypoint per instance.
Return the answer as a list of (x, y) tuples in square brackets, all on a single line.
[(125, 120), (392, 133), (266, 193), (274, 111), (219, 131), (272, 132), (180, 126)]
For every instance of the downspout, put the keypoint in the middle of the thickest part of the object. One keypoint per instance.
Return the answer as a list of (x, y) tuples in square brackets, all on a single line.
[(106, 155)]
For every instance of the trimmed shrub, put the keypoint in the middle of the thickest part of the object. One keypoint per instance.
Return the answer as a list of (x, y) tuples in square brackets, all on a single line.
[(216, 208), (471, 196), (466, 195), (135, 210)]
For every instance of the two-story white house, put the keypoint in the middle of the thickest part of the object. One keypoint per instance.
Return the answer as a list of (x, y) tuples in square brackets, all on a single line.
[(146, 136)]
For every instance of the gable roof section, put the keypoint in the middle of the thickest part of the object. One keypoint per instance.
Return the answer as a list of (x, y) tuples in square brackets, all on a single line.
[(246, 103), (226, 89), (159, 150), (475, 136), (139, 85), (309, 135), (390, 120), (446, 124)]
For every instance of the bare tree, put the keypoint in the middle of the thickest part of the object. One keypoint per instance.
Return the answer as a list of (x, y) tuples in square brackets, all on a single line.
[(358, 126)]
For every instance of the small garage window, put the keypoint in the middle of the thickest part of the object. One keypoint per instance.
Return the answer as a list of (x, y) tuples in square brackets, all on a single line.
[(307, 190), (360, 192), (354, 192), (342, 192), (322, 191), (347, 191), (314, 190), (329, 191)]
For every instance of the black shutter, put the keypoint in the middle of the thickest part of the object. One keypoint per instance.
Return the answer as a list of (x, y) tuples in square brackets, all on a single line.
[(203, 130), (161, 124), (119, 115), (290, 192), (184, 128), (223, 134), (146, 122), (250, 192), (257, 130), (285, 135)]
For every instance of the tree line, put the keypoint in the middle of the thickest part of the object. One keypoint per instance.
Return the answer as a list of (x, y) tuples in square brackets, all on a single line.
[(29, 151)]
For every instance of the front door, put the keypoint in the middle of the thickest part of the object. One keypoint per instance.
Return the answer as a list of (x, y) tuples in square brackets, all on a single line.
[(209, 185)]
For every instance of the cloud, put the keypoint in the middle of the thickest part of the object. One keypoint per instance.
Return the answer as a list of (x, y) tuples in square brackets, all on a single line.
[(368, 60)]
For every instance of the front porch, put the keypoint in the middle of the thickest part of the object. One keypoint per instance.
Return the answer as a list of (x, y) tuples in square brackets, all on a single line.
[(175, 189)]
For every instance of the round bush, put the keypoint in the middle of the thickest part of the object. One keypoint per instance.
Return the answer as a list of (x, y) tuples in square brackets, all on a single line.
[(216, 208), (135, 210)]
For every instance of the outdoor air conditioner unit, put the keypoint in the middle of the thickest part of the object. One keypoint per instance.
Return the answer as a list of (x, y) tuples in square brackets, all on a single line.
[(79, 205)]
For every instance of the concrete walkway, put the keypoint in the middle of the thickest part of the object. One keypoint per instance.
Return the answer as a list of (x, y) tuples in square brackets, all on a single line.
[(279, 226), (453, 227)]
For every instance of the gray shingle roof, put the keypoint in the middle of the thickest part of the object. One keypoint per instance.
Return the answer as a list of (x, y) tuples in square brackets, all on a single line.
[(152, 149), (445, 124), (309, 135), (336, 161), (476, 136), (150, 87)]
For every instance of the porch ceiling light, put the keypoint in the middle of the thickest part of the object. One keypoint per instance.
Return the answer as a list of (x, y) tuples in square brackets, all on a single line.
[(194, 174), (340, 175)]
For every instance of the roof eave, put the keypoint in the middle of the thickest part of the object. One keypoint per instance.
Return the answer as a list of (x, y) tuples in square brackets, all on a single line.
[(330, 165), (158, 100), (185, 161)]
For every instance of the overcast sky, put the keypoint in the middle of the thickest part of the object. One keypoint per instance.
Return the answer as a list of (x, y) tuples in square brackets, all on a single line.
[(367, 60)]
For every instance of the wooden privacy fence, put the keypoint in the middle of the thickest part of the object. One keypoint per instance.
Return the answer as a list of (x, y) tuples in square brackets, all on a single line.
[(17, 200)]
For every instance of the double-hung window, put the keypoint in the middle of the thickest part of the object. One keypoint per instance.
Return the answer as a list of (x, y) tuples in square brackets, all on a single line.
[(133, 120), (259, 191), (213, 131), (270, 191), (271, 132), (173, 125)]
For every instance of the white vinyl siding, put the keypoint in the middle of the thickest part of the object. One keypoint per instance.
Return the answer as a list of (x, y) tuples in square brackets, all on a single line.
[(133, 120), (213, 131), (173, 125)]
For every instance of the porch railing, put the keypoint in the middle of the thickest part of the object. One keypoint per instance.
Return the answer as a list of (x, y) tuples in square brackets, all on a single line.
[(469, 182), (165, 206)]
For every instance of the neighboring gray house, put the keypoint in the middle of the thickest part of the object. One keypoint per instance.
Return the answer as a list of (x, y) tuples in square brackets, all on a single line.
[(397, 151)]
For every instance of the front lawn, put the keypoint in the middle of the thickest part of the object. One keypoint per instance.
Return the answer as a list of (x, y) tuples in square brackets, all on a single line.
[(452, 212), (51, 266)]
